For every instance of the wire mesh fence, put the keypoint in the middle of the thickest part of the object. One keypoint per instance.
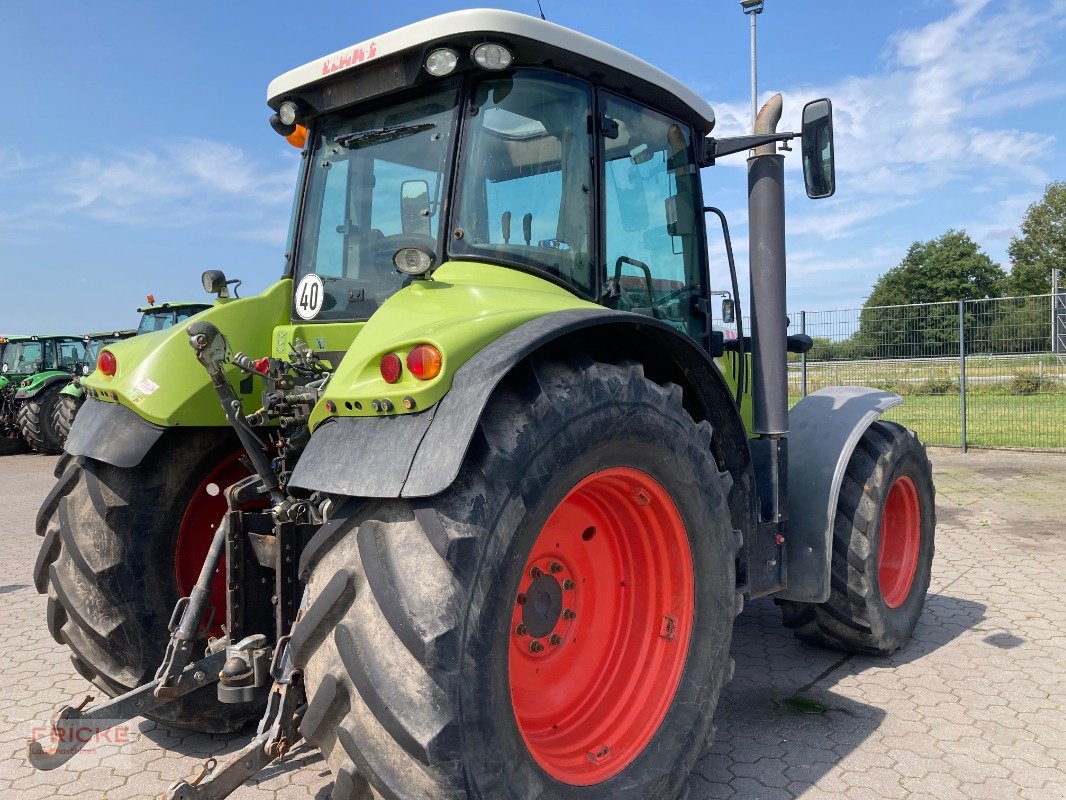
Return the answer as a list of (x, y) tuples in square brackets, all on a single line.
[(973, 373)]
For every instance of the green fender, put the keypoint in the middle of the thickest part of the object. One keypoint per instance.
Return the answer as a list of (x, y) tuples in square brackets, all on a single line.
[(73, 389), (33, 385)]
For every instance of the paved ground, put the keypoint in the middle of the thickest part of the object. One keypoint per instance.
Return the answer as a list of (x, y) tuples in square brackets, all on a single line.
[(973, 708)]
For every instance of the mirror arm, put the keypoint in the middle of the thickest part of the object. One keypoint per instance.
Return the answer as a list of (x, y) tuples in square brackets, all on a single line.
[(717, 148)]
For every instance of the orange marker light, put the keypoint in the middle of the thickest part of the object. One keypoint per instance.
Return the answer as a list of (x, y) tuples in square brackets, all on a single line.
[(151, 299), (424, 362), (298, 138)]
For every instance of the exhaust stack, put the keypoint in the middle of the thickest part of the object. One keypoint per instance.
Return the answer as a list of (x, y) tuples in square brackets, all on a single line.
[(766, 256)]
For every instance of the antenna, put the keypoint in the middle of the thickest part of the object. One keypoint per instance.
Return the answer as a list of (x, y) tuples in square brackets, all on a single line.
[(541, 11)]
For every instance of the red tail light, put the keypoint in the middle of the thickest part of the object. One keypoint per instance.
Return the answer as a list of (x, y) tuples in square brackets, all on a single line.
[(424, 361), (106, 363), (391, 367)]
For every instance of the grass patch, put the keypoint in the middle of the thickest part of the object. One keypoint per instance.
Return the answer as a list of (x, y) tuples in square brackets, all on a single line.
[(1035, 421)]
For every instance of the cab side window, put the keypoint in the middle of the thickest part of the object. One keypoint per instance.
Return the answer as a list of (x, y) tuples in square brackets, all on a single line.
[(652, 243)]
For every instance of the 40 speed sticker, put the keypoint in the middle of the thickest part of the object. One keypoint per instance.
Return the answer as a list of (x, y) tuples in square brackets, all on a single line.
[(310, 296)]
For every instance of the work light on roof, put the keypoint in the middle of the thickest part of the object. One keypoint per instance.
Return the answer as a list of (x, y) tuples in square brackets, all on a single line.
[(441, 61), (492, 56), (287, 113)]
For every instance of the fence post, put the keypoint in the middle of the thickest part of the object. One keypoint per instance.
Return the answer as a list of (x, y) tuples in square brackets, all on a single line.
[(1055, 273), (803, 356), (962, 372)]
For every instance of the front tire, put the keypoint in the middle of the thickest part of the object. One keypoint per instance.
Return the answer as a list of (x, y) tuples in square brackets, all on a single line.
[(66, 408), (35, 421), (588, 489), (112, 567), (882, 548)]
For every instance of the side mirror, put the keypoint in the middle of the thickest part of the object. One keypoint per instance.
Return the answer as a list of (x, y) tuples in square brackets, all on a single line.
[(819, 171), (729, 315), (414, 208)]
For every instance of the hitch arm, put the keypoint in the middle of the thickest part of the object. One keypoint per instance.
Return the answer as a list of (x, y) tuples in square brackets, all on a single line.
[(211, 350), (74, 726), (279, 730)]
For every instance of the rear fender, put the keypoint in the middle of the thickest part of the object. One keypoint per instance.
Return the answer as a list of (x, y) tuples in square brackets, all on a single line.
[(39, 383), (824, 429), (419, 455)]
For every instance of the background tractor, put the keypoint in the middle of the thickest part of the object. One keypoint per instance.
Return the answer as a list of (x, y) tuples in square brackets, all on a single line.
[(470, 497), (33, 371)]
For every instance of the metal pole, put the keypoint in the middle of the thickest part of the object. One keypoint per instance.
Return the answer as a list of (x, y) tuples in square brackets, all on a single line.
[(962, 372), (1055, 273), (752, 8), (803, 357)]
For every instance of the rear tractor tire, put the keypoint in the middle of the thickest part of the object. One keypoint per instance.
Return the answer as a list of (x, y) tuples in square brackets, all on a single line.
[(882, 548), (120, 546), (35, 419), (556, 624), (66, 408)]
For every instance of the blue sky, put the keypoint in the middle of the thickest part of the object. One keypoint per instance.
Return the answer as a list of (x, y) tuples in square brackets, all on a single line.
[(137, 151)]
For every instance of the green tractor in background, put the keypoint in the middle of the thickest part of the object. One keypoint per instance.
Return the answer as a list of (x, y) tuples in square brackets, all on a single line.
[(470, 497), (154, 317), (33, 371), (72, 395)]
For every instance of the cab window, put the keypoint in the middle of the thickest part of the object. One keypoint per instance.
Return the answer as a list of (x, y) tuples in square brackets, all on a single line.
[(652, 244), (525, 194)]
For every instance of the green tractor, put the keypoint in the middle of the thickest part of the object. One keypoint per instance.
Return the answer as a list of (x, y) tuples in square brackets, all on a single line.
[(11, 440), (72, 395), (469, 498), (33, 371), (154, 317)]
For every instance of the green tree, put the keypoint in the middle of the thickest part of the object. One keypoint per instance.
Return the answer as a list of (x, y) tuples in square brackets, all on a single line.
[(1042, 244), (949, 268)]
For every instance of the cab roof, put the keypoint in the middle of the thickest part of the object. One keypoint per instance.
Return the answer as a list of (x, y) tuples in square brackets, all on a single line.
[(393, 61), (34, 337), (169, 306)]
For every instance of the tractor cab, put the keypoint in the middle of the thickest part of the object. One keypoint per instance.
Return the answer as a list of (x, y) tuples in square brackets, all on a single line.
[(495, 138), (165, 315), (24, 356)]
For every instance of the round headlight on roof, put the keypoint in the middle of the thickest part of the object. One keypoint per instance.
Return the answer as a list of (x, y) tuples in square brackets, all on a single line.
[(287, 113), (442, 61), (413, 260), (492, 56)]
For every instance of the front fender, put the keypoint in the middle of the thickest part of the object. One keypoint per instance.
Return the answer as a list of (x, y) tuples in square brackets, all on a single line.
[(825, 427), (73, 389)]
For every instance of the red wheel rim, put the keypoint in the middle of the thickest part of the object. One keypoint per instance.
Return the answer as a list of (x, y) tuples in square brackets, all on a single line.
[(601, 626), (202, 516), (901, 538)]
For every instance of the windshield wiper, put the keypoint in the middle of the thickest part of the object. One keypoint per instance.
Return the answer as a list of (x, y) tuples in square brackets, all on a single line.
[(389, 133)]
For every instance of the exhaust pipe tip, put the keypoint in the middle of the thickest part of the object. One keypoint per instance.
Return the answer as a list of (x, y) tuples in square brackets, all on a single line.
[(766, 122)]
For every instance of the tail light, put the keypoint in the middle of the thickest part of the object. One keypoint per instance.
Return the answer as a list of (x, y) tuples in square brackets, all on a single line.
[(424, 362), (107, 363), (391, 367)]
